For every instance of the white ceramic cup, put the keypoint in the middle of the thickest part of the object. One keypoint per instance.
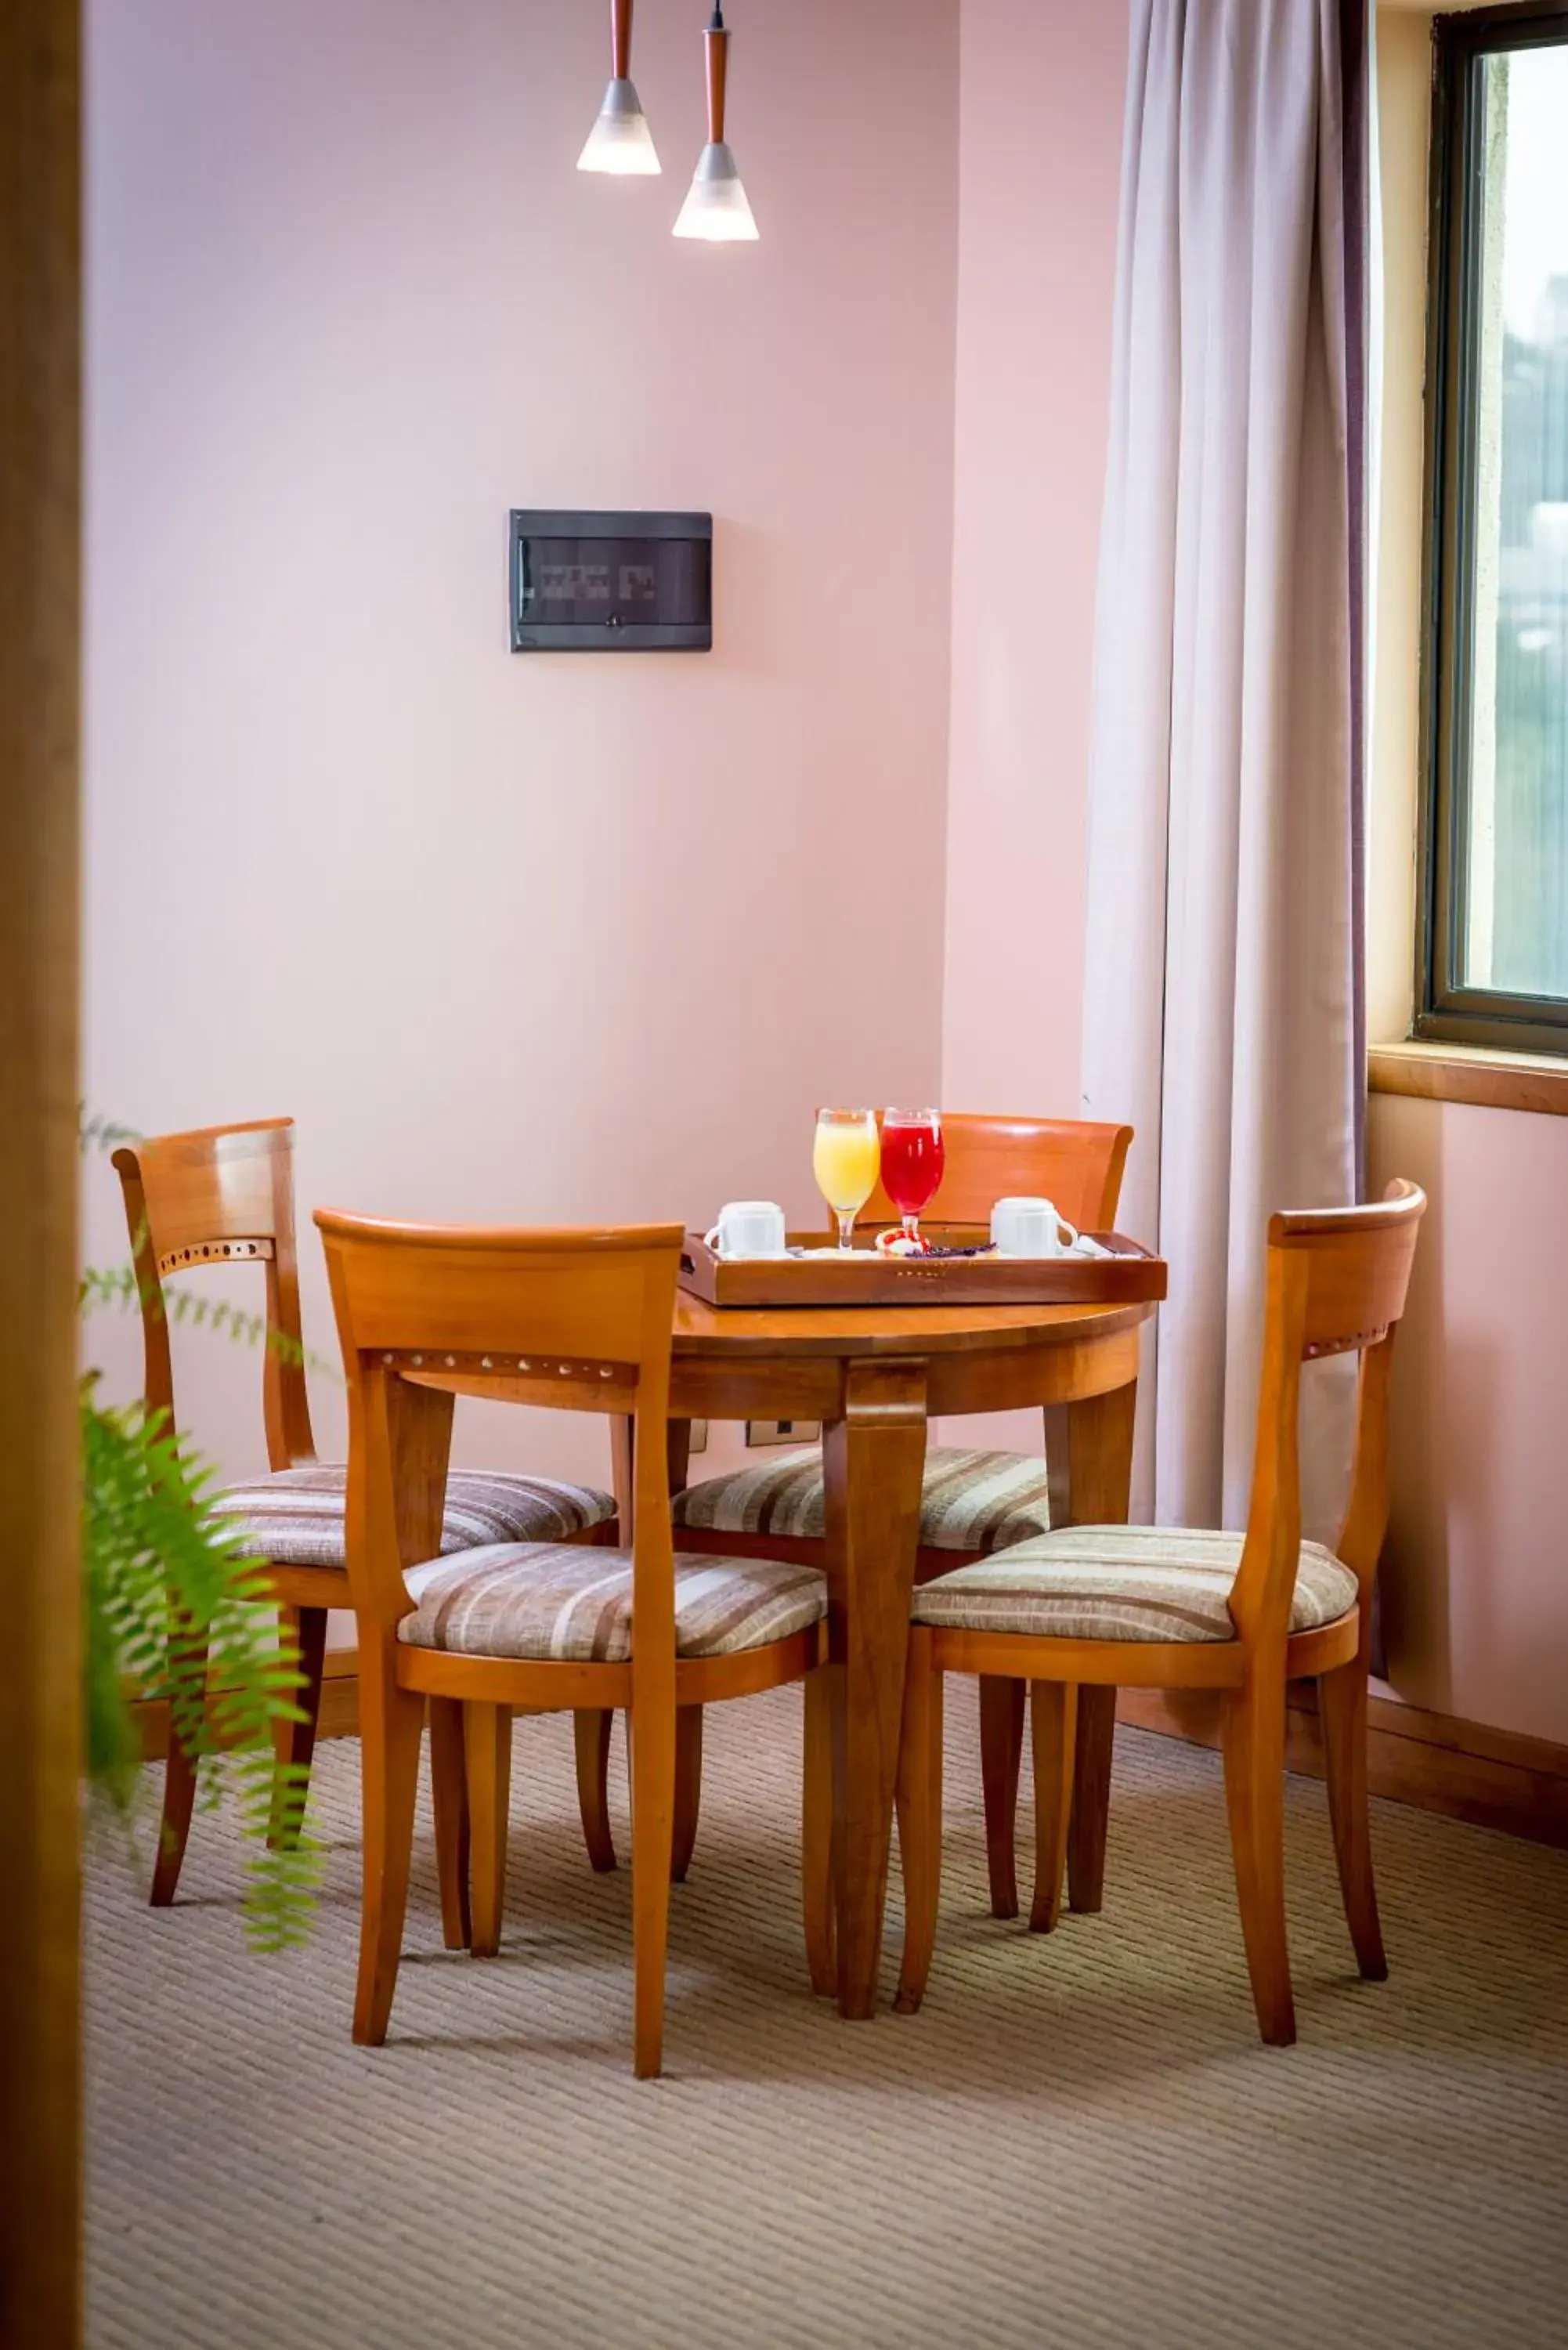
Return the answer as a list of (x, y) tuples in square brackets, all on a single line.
[(748, 1228), (1029, 1228)]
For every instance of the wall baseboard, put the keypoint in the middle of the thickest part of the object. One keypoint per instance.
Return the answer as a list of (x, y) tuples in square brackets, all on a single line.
[(1492, 1778)]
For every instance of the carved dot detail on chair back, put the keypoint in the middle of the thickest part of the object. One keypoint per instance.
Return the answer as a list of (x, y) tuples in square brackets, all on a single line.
[(602, 1384), (214, 1253), (1351, 1342)]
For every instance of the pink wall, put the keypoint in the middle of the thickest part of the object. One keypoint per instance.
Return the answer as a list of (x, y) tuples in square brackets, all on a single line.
[(1477, 1590), (1040, 139), (514, 938)]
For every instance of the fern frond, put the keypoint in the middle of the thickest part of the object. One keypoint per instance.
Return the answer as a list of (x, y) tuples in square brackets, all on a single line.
[(116, 1285), (172, 1600)]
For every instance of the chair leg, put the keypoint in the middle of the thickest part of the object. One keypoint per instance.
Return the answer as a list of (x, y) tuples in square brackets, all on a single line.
[(392, 1723), (1092, 1744), (919, 1803), (1052, 1719), (688, 1787), (304, 1635), (1342, 1709), (1255, 1752), (1001, 1757), (591, 1728), (653, 1837), (817, 1837), (449, 1798), (187, 1666), (487, 1749)]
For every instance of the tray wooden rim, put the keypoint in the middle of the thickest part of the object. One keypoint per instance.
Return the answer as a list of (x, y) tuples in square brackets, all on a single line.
[(1132, 1274)]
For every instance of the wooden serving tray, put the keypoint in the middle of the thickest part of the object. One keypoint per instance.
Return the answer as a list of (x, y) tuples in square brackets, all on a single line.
[(1130, 1275)]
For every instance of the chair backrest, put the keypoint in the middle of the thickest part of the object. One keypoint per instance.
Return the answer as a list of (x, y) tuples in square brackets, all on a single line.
[(1337, 1281), (1071, 1162), (580, 1321), (221, 1195)]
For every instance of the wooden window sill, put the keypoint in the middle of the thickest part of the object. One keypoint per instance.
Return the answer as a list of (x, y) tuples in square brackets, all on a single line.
[(1462, 1073)]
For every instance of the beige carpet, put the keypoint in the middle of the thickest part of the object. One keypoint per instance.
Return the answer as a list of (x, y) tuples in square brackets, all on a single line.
[(1079, 2140)]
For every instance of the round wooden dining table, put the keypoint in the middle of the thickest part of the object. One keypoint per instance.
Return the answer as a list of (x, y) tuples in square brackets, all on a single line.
[(874, 1376)]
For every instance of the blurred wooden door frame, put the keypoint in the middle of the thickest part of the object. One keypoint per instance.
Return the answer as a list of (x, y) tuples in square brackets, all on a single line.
[(40, 638)]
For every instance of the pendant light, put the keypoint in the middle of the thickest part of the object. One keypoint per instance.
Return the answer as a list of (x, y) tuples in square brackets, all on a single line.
[(620, 141), (716, 207)]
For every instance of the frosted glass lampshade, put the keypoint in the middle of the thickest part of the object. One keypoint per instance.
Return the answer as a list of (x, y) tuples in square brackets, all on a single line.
[(716, 206), (620, 141)]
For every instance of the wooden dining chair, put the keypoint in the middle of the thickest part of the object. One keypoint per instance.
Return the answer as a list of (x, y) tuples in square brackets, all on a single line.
[(975, 1501), (224, 1195), (573, 1320), (1167, 1607)]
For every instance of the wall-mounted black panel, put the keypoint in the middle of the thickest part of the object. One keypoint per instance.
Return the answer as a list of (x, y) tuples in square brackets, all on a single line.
[(609, 582)]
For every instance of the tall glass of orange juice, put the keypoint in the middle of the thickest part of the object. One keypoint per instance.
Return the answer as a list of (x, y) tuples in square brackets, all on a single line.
[(846, 1159)]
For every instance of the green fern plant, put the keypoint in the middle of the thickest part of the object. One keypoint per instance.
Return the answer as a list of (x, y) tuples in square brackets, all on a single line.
[(157, 1564)]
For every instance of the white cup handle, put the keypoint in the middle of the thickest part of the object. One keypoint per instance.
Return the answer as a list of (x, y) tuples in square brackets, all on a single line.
[(1071, 1232)]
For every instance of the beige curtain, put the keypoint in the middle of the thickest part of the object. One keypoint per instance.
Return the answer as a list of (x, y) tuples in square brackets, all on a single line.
[(1223, 988)]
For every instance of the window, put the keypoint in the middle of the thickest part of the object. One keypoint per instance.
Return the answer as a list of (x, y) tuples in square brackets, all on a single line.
[(1492, 958)]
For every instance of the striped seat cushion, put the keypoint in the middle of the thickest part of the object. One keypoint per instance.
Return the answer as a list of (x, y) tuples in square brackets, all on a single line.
[(1123, 1583), (295, 1517), (971, 1501), (543, 1600)]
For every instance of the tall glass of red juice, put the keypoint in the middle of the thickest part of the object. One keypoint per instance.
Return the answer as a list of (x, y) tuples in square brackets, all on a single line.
[(912, 1158)]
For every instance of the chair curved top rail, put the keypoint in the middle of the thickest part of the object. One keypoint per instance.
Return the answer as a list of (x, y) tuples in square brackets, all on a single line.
[(548, 1240), (213, 1185), (1357, 1266), (245, 1135), (1402, 1203), (221, 1195)]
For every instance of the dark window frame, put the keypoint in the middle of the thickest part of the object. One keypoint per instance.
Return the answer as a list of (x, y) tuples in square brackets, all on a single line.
[(1446, 1010)]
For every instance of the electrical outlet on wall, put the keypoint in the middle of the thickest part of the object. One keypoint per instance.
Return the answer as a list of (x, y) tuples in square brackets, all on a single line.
[(699, 1439), (783, 1431)]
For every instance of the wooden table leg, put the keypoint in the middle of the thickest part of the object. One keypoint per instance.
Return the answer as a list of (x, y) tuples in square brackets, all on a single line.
[(1089, 1456), (874, 1458)]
